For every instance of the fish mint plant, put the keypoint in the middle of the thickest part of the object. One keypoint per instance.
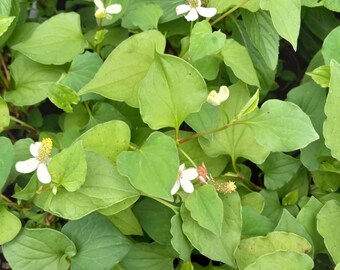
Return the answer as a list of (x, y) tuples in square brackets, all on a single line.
[(169, 134)]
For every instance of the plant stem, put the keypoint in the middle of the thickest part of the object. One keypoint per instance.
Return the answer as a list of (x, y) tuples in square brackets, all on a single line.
[(229, 12), (22, 123), (171, 206), (187, 157), (234, 122)]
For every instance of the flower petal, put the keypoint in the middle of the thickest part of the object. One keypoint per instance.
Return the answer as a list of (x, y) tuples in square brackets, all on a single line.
[(223, 93), (182, 9), (206, 12), (34, 148), (175, 187), (27, 166), (114, 9), (192, 15), (187, 186), (99, 4), (43, 174), (181, 168), (214, 98), (108, 16), (189, 174)]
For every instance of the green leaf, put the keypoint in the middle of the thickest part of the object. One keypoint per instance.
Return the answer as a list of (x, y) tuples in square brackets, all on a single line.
[(280, 11), (254, 224), (126, 222), (204, 42), (237, 58), (206, 208), (96, 140), (179, 241), (251, 249), (221, 247), (253, 200), (5, 22), (6, 159), (278, 169), (99, 244), (236, 141), (155, 219), (223, 5), (251, 105), (10, 225), (56, 41), (153, 168), (170, 91), (321, 75), (333, 5), (307, 217), (330, 45), (282, 126), (332, 110), (4, 114), (327, 225), (263, 35), (144, 17), (149, 256), (121, 74), (30, 79), (81, 71), (46, 249), (290, 224), (69, 167), (62, 96), (283, 260), (103, 187)]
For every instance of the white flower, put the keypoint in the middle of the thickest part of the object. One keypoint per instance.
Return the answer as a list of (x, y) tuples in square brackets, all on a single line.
[(184, 178), (194, 8), (41, 152), (215, 98), (104, 12)]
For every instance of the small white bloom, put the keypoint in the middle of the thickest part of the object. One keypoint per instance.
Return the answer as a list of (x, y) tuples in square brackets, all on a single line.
[(41, 152), (184, 178), (194, 8), (104, 12), (215, 98)]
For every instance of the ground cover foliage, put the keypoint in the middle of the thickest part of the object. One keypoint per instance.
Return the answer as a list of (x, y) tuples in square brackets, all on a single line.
[(151, 134)]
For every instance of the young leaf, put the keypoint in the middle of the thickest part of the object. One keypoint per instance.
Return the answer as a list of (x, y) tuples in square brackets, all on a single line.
[(282, 126), (4, 114), (250, 106), (206, 208), (56, 41), (62, 96), (5, 23), (327, 225), (170, 91), (321, 75), (332, 110), (69, 167), (43, 248), (153, 168), (10, 225), (120, 76), (95, 237)]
